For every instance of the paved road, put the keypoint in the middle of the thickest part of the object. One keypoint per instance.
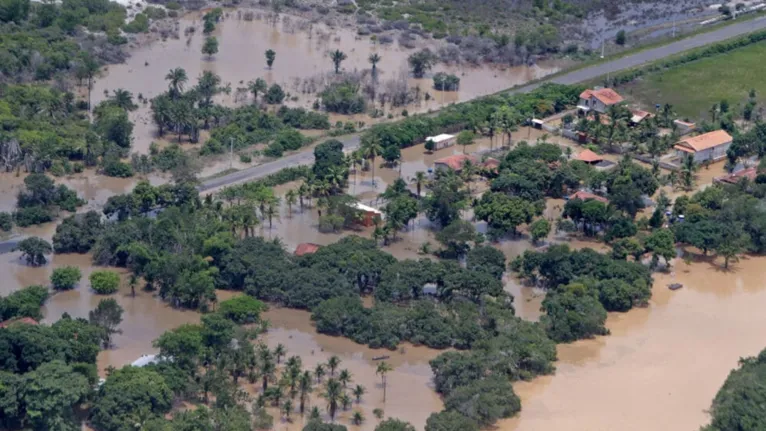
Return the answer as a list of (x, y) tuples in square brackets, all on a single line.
[(585, 74)]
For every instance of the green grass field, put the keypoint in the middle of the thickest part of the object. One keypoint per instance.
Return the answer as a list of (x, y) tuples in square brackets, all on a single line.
[(694, 87)]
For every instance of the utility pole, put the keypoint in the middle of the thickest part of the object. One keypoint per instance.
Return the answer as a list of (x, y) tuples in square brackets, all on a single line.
[(674, 28), (603, 41), (231, 153)]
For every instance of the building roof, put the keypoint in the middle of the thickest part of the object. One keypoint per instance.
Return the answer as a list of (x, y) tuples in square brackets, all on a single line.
[(607, 96), (362, 207), (456, 161), (439, 138), (749, 173), (704, 141), (589, 156), (145, 360), (583, 195), (306, 248), (24, 320), (639, 115)]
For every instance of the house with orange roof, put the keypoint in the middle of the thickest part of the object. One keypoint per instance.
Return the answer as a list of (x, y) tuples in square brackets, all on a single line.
[(706, 147), (589, 157), (736, 177), (599, 100), (586, 196), (306, 248), (454, 162)]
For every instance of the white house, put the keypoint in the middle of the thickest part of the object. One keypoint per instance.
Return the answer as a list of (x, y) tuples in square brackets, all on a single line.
[(598, 100), (710, 146), (442, 141)]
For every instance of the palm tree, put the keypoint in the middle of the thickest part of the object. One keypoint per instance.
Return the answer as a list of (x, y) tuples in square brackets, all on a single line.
[(688, 169), (303, 191), (713, 112), (358, 392), (290, 198), (419, 180), (332, 393), (357, 419), (177, 78), (333, 364), (345, 401), (383, 369), (374, 59), (280, 351), (337, 58), (344, 377), (123, 99), (268, 368), (371, 149), (257, 86), (304, 389), (287, 409), (319, 372)]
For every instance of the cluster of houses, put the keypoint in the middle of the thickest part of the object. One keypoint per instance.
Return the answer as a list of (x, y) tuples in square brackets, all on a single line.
[(706, 147)]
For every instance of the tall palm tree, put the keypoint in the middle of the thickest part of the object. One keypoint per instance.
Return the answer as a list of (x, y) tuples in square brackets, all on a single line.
[(279, 352), (688, 169), (268, 370), (303, 191), (713, 112), (383, 369), (344, 377), (337, 58), (374, 59), (287, 409), (371, 149), (319, 372), (304, 389), (333, 364), (290, 198), (419, 180), (332, 393), (336, 178), (358, 392), (177, 78)]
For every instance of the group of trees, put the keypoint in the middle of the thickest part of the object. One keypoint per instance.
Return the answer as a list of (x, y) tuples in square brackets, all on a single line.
[(40, 200), (47, 373), (737, 404)]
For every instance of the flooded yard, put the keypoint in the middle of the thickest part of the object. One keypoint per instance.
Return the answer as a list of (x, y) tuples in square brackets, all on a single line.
[(301, 55)]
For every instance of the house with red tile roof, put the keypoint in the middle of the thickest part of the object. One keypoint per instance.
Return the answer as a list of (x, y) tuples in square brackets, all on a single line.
[(598, 100), (454, 162), (589, 157), (585, 196), (709, 146), (734, 178), (306, 248)]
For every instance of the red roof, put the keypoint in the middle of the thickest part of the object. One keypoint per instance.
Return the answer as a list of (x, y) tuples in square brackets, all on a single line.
[(456, 162), (749, 173), (589, 156), (491, 164), (24, 320), (607, 96), (583, 195), (306, 248), (704, 141)]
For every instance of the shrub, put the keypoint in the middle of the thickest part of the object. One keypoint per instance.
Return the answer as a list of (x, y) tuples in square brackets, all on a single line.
[(33, 215), (104, 282), (275, 95), (6, 221), (65, 278)]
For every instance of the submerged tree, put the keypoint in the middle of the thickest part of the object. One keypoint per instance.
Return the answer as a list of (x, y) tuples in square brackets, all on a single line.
[(210, 48), (337, 58), (108, 316), (271, 55)]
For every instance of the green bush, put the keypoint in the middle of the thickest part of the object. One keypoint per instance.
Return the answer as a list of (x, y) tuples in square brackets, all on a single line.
[(65, 278), (140, 24), (275, 95), (343, 98), (104, 282), (242, 309), (6, 221), (33, 215)]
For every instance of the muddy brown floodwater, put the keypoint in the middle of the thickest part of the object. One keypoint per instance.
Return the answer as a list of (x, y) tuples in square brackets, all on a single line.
[(301, 53)]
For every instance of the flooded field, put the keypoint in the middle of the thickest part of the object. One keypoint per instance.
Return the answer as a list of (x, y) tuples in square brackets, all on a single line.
[(302, 54)]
